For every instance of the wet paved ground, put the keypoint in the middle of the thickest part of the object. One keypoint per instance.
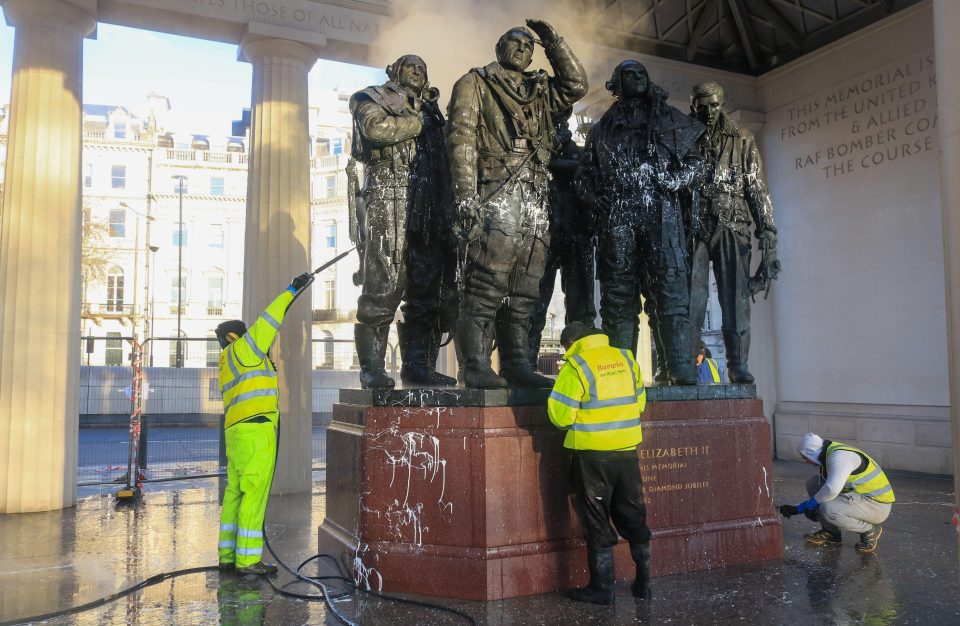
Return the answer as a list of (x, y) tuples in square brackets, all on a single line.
[(51, 561)]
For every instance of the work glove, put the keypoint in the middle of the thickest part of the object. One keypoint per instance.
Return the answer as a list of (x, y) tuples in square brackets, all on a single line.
[(788, 510), (300, 283)]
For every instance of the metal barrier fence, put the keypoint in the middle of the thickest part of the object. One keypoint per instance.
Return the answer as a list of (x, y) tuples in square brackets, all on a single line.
[(181, 435)]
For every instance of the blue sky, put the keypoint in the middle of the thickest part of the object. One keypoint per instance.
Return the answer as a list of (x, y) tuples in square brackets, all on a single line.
[(207, 86)]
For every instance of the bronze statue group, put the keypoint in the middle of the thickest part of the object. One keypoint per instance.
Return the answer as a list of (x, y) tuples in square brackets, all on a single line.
[(464, 221)]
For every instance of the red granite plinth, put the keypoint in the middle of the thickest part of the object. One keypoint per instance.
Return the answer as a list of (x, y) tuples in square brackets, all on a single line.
[(473, 501)]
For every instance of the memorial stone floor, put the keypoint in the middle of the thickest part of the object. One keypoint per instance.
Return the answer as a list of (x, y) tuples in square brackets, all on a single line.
[(51, 561)]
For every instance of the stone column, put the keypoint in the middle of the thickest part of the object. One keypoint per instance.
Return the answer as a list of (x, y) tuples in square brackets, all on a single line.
[(40, 259), (946, 24), (277, 244)]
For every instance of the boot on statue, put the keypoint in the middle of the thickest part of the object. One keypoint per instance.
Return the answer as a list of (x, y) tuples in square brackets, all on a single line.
[(738, 349), (415, 351), (475, 341), (513, 344), (371, 350)]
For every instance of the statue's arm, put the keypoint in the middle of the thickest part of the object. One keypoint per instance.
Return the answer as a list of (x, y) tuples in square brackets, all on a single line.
[(381, 128), (463, 121), (755, 189), (569, 82), (585, 179)]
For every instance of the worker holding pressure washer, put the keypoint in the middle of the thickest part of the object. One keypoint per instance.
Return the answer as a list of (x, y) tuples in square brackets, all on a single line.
[(248, 382)]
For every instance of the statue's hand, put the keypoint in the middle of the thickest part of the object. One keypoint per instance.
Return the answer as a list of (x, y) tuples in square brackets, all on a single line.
[(546, 32), (471, 222)]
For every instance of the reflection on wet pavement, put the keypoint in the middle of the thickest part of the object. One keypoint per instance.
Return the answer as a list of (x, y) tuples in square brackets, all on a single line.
[(51, 561)]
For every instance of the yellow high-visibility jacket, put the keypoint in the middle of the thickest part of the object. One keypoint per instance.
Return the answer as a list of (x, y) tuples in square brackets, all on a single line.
[(870, 481), (598, 397), (248, 378)]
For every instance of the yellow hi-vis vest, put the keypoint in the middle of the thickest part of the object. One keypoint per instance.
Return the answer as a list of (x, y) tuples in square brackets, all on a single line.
[(598, 397), (871, 481), (248, 379)]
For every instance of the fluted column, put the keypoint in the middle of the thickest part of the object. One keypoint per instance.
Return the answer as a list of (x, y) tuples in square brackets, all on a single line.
[(277, 241), (946, 24), (40, 259)]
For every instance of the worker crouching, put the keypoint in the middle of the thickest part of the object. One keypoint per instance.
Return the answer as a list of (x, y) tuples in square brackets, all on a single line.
[(598, 399)]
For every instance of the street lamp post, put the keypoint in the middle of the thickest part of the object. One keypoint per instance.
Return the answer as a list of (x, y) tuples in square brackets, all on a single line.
[(180, 178)]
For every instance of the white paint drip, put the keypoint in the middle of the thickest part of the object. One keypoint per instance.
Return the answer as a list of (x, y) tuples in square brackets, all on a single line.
[(765, 484)]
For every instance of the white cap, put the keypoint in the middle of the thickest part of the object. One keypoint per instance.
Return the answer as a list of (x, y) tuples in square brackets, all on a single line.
[(810, 447)]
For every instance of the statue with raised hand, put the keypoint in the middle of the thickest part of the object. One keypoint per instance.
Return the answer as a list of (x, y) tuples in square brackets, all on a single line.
[(500, 144)]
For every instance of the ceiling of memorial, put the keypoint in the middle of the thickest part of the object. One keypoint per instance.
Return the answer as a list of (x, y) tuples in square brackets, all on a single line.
[(745, 36)]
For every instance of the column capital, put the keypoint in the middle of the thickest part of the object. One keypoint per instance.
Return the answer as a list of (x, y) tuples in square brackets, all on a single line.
[(79, 16), (254, 49)]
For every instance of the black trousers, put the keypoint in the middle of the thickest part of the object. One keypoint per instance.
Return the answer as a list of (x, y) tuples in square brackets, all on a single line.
[(607, 487)]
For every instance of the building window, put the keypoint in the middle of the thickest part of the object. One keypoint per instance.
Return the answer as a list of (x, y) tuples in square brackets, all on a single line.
[(332, 235), (183, 349), (115, 289), (179, 237), (323, 147), (215, 294), (120, 130), (216, 186), (215, 238), (326, 359), (213, 351), (330, 294), (114, 351), (331, 187), (178, 295), (337, 146), (88, 175), (118, 223), (118, 176)]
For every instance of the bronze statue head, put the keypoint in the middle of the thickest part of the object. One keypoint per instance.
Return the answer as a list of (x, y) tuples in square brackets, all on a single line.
[(629, 80), (515, 49), (409, 71), (706, 103)]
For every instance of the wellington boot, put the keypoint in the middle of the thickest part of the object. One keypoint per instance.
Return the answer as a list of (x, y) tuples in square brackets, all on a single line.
[(641, 557), (600, 589)]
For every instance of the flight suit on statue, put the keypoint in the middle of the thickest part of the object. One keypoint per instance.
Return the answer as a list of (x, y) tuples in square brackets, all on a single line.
[(398, 135), (500, 143)]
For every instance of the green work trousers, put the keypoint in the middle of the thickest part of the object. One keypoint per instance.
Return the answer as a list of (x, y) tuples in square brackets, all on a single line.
[(251, 455)]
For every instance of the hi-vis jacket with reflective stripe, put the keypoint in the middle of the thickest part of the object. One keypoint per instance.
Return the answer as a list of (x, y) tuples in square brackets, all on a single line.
[(598, 397), (248, 379), (867, 480)]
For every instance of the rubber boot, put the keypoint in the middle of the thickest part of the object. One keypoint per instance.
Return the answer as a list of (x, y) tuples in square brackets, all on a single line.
[(641, 557), (600, 589), (415, 353), (738, 349), (371, 344), (433, 354), (513, 343), (258, 569), (475, 340), (674, 330)]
